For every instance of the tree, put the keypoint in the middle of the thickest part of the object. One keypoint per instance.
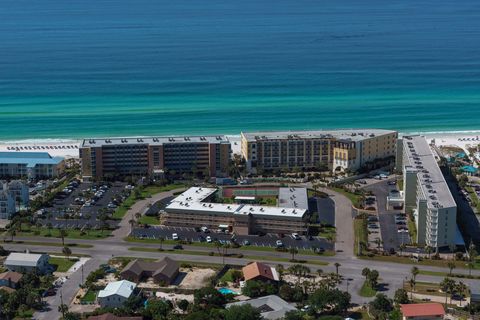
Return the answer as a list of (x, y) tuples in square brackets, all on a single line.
[(372, 278), (208, 297), (67, 252), (337, 265), (63, 308), (132, 224), (414, 271), (62, 233), (401, 296), (472, 254), (157, 309), (451, 265), (183, 304), (461, 289), (380, 306), (334, 300), (365, 273), (428, 251), (412, 283), (447, 285), (161, 239), (294, 315), (242, 312), (402, 247), (293, 251)]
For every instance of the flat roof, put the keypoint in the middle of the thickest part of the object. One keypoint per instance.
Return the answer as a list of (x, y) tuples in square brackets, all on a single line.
[(99, 142), (430, 178), (193, 200), (31, 159), (341, 134), (293, 198)]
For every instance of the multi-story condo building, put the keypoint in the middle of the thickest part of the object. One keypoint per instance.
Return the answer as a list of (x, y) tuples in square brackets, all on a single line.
[(194, 208), (335, 149), (426, 194), (7, 205), (30, 165), (209, 155)]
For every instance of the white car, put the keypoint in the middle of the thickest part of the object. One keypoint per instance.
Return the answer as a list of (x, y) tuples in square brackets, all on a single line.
[(208, 239), (174, 236), (204, 229), (296, 236), (279, 243)]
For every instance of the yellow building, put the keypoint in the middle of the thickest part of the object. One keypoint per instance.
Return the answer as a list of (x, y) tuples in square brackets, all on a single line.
[(334, 149)]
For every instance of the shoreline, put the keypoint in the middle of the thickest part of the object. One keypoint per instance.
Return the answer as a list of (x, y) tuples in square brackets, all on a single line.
[(68, 147)]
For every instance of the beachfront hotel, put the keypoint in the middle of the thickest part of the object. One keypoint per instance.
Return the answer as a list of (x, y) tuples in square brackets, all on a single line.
[(30, 165), (209, 155), (195, 208), (337, 150), (426, 194)]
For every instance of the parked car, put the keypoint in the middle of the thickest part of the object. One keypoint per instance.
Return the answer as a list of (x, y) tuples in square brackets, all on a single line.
[(246, 242), (296, 236), (208, 239), (175, 236), (279, 244)]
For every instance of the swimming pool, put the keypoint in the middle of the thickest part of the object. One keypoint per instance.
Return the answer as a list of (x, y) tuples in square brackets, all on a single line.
[(227, 291)]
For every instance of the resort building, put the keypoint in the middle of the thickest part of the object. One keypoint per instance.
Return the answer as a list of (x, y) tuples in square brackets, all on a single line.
[(28, 262), (209, 155), (426, 194), (333, 149), (195, 208), (115, 294), (30, 165)]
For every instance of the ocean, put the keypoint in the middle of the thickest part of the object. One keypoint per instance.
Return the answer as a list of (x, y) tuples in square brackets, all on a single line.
[(73, 69)]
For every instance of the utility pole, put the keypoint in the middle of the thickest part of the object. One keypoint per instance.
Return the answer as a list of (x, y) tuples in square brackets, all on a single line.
[(61, 305), (82, 273)]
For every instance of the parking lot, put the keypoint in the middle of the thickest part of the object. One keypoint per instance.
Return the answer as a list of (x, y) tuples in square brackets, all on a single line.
[(189, 234), (80, 205), (393, 230)]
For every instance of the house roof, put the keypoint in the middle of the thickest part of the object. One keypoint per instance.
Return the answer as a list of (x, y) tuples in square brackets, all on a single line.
[(270, 307), (122, 288), (7, 289), (109, 316), (165, 266), (422, 309), (31, 159), (256, 269), (23, 259), (15, 277)]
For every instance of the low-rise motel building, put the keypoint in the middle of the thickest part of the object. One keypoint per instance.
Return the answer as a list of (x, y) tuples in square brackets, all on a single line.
[(30, 165), (194, 208), (337, 150), (150, 156), (426, 194)]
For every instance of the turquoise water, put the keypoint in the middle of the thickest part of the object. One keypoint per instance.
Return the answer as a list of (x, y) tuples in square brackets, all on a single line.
[(109, 68), (226, 291)]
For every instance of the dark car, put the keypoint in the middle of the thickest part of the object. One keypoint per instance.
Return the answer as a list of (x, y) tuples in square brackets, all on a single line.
[(178, 247)]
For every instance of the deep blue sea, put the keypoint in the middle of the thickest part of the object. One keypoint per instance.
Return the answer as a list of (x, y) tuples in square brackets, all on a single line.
[(81, 68)]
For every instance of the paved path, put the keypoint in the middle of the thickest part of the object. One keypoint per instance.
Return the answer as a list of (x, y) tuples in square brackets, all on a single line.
[(123, 229), (68, 290)]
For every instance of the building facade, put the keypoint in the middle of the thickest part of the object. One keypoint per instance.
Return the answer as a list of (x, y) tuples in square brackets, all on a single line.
[(193, 208), (426, 193), (7, 205), (334, 149), (30, 165), (115, 294), (28, 262), (209, 155)]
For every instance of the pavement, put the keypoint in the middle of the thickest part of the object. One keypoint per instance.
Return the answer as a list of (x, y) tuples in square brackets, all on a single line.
[(68, 289)]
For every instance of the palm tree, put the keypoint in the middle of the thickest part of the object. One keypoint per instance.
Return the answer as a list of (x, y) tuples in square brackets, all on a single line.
[(447, 285), (337, 265), (428, 251), (412, 283), (293, 251), (402, 247), (138, 215), (67, 252), (62, 234), (451, 266), (132, 223), (161, 239), (414, 271), (461, 290), (472, 253)]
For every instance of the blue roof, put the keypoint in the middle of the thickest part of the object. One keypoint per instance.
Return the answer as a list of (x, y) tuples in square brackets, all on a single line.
[(470, 169), (31, 159)]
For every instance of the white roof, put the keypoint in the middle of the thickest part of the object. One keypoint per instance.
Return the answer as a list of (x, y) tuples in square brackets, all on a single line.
[(293, 198), (277, 307), (122, 288), (193, 200), (23, 259)]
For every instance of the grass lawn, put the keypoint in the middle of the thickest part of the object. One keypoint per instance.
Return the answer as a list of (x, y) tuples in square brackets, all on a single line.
[(227, 277), (412, 228), (425, 288), (361, 233), (62, 264), (353, 197), (447, 274), (71, 233), (328, 232), (327, 253), (367, 291), (474, 197), (400, 184), (424, 262), (184, 263), (215, 254), (146, 192), (48, 244), (89, 297), (152, 220)]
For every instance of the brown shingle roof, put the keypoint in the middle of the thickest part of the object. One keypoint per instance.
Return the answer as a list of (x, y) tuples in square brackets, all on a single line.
[(256, 269), (15, 277), (109, 316), (165, 266)]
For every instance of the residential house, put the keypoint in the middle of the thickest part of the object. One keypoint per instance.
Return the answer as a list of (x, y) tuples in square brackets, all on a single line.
[(261, 272), (10, 279), (270, 307), (162, 271), (28, 262), (115, 293)]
